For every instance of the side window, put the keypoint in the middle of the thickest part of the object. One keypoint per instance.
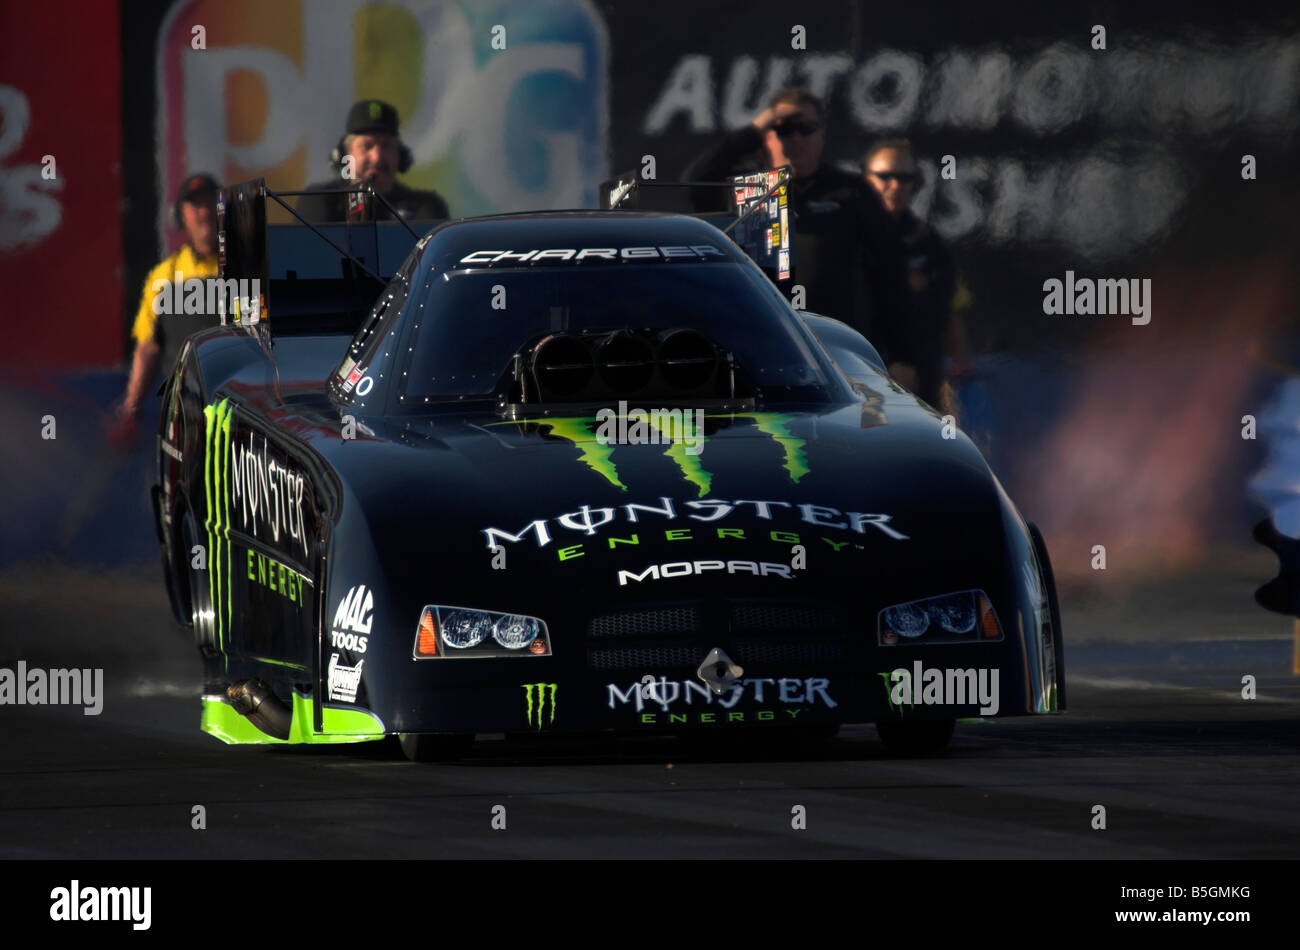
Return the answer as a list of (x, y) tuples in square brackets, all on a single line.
[(353, 382)]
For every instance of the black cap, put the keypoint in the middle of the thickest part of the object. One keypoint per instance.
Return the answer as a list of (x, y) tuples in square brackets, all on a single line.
[(195, 185), (371, 115)]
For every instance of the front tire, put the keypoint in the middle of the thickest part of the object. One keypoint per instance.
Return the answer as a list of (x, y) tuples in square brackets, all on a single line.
[(926, 737), (435, 747)]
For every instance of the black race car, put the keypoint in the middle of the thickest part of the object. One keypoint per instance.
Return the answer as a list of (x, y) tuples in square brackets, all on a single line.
[(573, 471)]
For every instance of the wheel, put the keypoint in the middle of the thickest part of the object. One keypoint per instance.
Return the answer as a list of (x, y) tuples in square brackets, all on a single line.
[(198, 596), (1054, 612), (916, 738), (435, 747)]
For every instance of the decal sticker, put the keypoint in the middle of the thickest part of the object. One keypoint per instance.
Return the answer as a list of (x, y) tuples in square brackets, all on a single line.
[(352, 620), (273, 575), (344, 680), (216, 418), (684, 448), (349, 373), (251, 488), (267, 494), (536, 706), (657, 572), (574, 255), (588, 520), (682, 702)]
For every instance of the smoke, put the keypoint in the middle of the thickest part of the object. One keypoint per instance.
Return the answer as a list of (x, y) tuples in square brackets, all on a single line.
[(1146, 460)]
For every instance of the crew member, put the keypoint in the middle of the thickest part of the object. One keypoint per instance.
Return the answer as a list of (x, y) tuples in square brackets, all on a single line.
[(932, 275), (847, 255), (371, 151), (159, 331)]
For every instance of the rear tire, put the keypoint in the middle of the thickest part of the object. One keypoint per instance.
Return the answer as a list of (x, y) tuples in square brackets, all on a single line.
[(197, 597), (435, 747), (926, 737)]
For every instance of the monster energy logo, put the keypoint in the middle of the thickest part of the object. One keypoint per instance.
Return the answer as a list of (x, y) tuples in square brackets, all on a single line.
[(889, 695), (597, 451), (535, 697), (216, 480)]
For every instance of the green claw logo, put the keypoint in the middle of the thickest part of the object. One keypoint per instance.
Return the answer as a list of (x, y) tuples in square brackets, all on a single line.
[(598, 456), (539, 703), (216, 418), (889, 694)]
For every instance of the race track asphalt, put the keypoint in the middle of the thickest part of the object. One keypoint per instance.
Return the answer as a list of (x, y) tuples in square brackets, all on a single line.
[(1157, 732)]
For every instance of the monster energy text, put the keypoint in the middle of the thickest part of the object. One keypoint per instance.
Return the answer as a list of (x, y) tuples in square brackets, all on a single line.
[(588, 519)]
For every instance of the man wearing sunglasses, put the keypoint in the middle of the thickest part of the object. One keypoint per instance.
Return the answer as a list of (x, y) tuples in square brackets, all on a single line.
[(847, 254), (932, 276)]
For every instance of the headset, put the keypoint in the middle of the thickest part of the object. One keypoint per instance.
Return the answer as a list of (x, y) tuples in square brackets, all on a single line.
[(404, 157)]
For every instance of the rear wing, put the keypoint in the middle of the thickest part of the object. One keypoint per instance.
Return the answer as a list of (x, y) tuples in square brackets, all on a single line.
[(757, 216), (307, 277)]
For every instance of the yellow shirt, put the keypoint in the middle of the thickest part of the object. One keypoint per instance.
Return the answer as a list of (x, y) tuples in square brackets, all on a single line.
[(189, 265)]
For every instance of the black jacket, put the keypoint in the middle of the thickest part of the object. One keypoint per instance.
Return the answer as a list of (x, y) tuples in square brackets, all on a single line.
[(410, 203), (932, 276), (847, 253)]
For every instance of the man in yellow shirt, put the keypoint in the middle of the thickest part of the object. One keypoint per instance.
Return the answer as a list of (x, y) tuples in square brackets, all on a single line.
[(163, 321)]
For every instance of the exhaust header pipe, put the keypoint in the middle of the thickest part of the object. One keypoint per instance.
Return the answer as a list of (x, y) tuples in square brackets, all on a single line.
[(256, 701)]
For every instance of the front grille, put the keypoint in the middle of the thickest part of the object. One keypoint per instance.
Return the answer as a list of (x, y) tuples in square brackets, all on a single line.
[(754, 651), (652, 622), (781, 618), (645, 659), (761, 636)]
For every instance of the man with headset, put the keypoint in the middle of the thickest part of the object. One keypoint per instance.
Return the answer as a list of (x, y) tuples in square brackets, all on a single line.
[(159, 331), (371, 150)]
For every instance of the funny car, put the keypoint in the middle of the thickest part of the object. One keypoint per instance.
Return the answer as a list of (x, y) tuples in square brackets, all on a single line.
[(582, 471)]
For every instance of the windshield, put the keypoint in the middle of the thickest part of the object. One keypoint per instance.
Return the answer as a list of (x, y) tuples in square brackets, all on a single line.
[(471, 322)]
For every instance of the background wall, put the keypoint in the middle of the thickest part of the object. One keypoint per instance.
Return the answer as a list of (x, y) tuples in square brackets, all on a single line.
[(1119, 162)]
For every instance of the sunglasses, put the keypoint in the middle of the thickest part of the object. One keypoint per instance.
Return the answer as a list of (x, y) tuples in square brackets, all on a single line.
[(903, 178), (786, 129)]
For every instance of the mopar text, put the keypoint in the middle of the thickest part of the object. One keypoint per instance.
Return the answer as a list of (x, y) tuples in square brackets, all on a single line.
[(673, 569)]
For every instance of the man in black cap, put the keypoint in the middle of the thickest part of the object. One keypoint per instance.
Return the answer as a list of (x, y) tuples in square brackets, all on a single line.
[(371, 151), (161, 326)]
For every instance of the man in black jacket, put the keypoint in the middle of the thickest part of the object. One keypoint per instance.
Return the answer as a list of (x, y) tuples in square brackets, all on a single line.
[(847, 253), (932, 276), (371, 150)]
